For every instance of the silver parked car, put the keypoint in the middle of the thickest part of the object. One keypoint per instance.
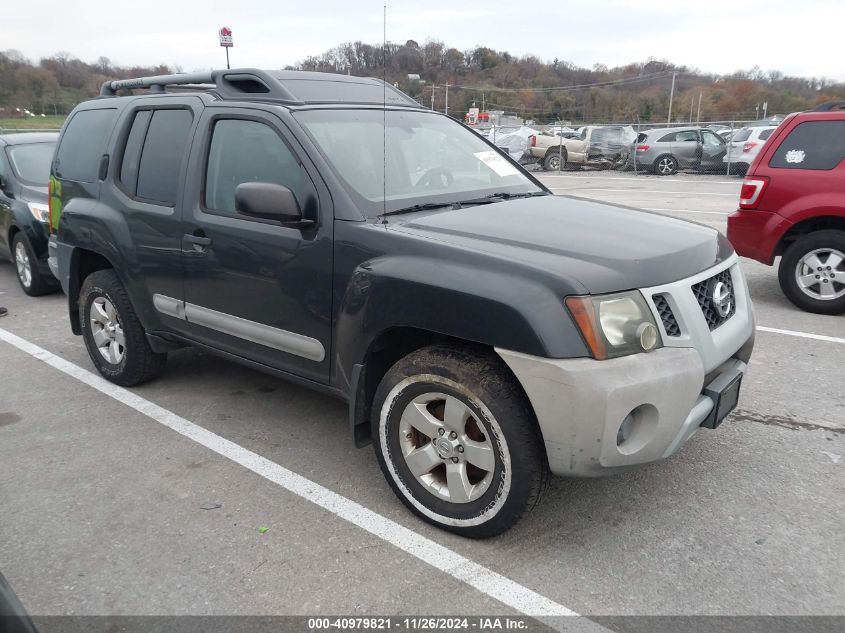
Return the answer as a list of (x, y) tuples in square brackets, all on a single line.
[(666, 150)]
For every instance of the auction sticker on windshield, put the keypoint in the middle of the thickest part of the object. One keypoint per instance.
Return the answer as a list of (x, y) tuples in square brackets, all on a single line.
[(497, 163)]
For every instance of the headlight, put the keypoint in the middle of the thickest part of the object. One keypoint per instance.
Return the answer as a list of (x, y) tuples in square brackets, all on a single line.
[(40, 212), (615, 325)]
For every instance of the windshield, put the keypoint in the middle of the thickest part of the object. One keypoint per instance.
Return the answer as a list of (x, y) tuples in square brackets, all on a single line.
[(430, 158), (31, 163)]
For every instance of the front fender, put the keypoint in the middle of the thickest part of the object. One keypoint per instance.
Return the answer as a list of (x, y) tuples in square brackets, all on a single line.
[(472, 303)]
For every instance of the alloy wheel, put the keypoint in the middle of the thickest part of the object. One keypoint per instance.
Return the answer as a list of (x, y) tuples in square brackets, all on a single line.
[(107, 331), (820, 274), (446, 448), (23, 265)]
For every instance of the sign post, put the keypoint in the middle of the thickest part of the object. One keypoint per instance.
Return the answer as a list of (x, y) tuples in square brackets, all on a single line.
[(226, 41)]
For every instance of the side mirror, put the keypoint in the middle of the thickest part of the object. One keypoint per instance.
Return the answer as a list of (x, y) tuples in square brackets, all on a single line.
[(269, 201)]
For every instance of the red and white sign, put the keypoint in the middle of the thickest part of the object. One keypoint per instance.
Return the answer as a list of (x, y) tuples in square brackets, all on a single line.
[(226, 37)]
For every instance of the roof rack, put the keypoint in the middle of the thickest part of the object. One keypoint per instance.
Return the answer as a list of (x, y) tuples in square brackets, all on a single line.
[(829, 106), (290, 87), (235, 82)]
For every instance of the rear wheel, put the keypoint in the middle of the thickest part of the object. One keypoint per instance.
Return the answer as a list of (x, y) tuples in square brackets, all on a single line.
[(812, 272), (113, 334), (554, 161), (30, 278), (666, 165), (458, 442)]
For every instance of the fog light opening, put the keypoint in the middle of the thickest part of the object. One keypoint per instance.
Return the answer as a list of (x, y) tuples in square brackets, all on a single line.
[(625, 430)]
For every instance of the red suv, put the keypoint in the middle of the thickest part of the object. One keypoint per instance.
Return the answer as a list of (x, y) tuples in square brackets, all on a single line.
[(792, 203)]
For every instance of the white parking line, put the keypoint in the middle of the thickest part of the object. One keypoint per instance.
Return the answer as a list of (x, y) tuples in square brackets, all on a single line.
[(684, 193), (498, 587), (815, 337)]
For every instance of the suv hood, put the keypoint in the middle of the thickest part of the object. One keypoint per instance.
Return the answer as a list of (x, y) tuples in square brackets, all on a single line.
[(31, 193), (603, 247)]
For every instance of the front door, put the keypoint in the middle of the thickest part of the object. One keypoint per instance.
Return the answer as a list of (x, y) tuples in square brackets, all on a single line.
[(254, 287), (713, 150)]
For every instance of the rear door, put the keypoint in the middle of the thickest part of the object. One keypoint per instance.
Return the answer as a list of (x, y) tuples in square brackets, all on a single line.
[(5, 205), (148, 172), (686, 148), (254, 287)]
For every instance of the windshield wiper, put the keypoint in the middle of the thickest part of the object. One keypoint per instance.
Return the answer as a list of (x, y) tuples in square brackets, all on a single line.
[(493, 197), (425, 206), (510, 196)]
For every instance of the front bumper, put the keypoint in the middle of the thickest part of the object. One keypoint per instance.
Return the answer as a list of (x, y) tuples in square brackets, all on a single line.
[(580, 403)]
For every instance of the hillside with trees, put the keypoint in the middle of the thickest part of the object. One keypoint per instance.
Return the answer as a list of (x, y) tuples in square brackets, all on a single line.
[(533, 88)]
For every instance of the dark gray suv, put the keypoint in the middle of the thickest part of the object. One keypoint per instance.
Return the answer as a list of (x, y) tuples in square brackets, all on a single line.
[(329, 230)]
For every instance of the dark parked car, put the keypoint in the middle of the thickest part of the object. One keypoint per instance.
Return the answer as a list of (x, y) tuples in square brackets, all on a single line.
[(24, 172), (483, 331), (792, 204), (667, 150)]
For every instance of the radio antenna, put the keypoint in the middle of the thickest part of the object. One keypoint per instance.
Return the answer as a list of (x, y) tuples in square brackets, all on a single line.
[(384, 119)]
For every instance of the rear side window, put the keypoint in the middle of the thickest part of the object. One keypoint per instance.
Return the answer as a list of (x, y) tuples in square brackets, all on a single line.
[(741, 136), (668, 138), (83, 145), (812, 145), (161, 157), (766, 134), (247, 151), (132, 152), (686, 137)]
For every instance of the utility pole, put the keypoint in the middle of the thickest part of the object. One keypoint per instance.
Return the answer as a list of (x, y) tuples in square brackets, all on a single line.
[(698, 116), (432, 96), (671, 97), (482, 103), (447, 99)]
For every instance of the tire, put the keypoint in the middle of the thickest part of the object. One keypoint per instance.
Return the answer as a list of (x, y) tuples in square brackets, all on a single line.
[(665, 165), (820, 291), (552, 158), (504, 475), (103, 302), (29, 277)]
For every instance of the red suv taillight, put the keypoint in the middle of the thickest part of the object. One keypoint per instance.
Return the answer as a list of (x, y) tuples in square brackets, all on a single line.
[(752, 190), (532, 140), (748, 147), (642, 148)]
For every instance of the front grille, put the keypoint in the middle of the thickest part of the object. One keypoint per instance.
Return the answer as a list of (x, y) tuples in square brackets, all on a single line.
[(703, 292), (670, 323)]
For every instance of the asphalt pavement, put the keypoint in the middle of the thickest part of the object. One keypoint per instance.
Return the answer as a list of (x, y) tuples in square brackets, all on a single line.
[(103, 490)]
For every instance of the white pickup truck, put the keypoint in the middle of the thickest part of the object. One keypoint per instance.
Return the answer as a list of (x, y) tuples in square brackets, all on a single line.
[(596, 145)]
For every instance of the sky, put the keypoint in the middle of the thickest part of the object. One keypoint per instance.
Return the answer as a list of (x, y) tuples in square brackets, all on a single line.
[(718, 36)]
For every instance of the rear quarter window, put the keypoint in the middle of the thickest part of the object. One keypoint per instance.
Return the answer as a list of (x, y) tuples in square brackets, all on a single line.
[(83, 144), (741, 136), (811, 145), (766, 134)]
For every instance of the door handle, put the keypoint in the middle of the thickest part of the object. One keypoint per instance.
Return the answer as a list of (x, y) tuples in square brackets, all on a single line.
[(199, 242)]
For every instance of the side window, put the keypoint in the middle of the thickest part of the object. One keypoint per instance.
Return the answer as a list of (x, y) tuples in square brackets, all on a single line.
[(711, 139), (766, 134), (161, 156), (247, 151), (812, 145), (668, 138), (742, 135), (132, 152), (687, 137), (83, 145)]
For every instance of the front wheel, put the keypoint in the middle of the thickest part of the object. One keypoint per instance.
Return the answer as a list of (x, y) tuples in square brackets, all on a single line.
[(812, 272), (30, 278), (458, 442), (114, 336)]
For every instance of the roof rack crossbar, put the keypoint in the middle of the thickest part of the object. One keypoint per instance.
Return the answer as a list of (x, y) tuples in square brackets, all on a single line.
[(109, 88)]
